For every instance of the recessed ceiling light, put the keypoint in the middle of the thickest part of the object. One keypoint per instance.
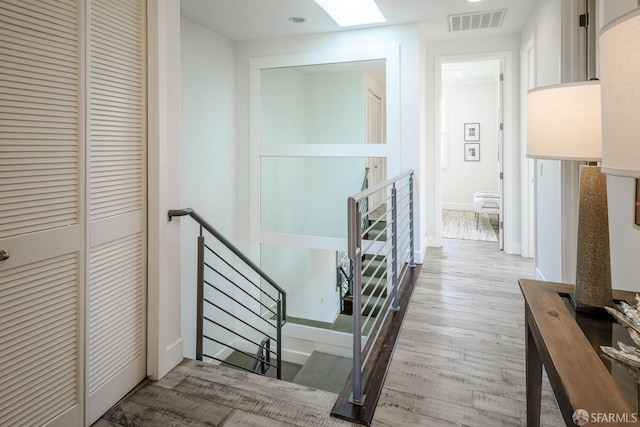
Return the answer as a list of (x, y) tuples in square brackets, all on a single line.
[(297, 19), (352, 12), (474, 1)]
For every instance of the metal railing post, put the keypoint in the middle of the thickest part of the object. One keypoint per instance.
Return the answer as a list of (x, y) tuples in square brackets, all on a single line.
[(354, 233), (200, 298), (394, 249), (279, 338), (412, 262)]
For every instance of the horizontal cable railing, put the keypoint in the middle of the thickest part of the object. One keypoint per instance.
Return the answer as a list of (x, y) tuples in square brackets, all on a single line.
[(344, 280), (381, 250), (238, 304)]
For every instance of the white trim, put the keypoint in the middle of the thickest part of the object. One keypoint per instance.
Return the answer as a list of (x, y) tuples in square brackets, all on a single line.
[(527, 166), (153, 208), (315, 242), (391, 150), (84, 297), (458, 206), (324, 150), (572, 70), (164, 344)]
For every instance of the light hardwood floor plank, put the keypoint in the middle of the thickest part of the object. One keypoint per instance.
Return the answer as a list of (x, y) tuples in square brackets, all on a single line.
[(464, 333), (459, 361)]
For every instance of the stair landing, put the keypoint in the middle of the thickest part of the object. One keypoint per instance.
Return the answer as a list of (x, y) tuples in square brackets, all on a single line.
[(199, 394)]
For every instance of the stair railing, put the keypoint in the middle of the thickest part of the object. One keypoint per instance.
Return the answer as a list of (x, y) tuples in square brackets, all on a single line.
[(395, 244), (234, 294), (344, 269), (344, 281), (364, 205)]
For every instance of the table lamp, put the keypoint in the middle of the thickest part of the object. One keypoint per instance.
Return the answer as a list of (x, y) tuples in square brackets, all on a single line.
[(564, 123), (620, 68)]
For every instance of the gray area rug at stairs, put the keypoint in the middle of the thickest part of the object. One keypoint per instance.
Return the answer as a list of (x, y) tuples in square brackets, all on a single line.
[(462, 225)]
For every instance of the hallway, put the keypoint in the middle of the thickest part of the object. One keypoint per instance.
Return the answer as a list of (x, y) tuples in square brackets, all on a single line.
[(459, 361)]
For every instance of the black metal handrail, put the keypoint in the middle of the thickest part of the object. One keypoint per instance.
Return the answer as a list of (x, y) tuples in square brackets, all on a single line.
[(223, 276)]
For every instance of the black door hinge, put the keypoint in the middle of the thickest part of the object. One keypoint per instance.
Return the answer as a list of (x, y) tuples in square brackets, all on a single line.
[(584, 20)]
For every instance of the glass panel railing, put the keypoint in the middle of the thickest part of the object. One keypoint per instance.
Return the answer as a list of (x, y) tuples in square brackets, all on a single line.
[(305, 195)]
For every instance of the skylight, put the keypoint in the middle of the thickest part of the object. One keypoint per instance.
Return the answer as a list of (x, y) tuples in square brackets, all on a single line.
[(352, 12)]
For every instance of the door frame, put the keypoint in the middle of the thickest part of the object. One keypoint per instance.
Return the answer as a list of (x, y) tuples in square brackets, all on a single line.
[(164, 342), (511, 163), (527, 72)]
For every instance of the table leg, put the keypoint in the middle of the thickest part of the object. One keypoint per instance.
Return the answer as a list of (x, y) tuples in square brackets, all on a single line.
[(534, 378)]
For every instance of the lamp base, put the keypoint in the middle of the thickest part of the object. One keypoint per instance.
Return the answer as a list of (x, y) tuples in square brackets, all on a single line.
[(593, 267), (590, 310)]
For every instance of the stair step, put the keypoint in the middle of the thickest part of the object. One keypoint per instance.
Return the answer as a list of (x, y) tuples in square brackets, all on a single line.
[(376, 286), (378, 229), (373, 307), (374, 267), (380, 225)]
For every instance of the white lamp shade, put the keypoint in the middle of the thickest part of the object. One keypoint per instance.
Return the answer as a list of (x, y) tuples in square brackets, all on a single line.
[(563, 122), (620, 73)]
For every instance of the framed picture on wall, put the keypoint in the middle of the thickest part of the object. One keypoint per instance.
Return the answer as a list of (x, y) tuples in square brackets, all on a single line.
[(637, 220), (472, 131), (472, 152)]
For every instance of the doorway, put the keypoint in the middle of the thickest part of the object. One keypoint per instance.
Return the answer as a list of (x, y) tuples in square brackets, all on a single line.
[(471, 148)]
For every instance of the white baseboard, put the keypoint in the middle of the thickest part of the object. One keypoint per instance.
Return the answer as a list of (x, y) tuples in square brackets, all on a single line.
[(433, 242), (457, 206), (293, 356), (161, 363), (226, 351), (513, 248)]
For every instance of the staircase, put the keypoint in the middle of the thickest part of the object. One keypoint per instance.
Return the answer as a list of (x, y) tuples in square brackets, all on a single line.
[(239, 308), (374, 284), (374, 272)]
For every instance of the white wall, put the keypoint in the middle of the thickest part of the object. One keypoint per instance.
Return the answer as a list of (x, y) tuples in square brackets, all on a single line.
[(336, 108), (624, 239), (309, 277), (283, 106), (207, 63), (470, 103), (471, 49), (546, 27)]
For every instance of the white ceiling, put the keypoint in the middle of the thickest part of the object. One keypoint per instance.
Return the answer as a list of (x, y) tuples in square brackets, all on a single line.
[(259, 19)]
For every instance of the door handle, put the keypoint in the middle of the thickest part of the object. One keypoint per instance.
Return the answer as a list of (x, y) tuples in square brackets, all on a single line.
[(4, 255)]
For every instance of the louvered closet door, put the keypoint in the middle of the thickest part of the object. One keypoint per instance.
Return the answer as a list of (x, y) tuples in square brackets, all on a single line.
[(41, 369), (117, 200)]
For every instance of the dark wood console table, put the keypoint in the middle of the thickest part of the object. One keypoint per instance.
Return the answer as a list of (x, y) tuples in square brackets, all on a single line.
[(579, 376)]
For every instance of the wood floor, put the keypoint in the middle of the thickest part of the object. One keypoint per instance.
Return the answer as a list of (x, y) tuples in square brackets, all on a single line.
[(459, 361), (460, 358)]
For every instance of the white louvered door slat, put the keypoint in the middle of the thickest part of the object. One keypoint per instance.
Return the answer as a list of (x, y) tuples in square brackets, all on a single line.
[(41, 215), (117, 198)]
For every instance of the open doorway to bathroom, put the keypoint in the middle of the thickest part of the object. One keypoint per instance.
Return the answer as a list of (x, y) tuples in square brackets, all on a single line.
[(471, 147)]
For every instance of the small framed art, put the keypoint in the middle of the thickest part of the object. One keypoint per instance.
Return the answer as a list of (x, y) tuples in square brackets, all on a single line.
[(472, 152), (472, 131)]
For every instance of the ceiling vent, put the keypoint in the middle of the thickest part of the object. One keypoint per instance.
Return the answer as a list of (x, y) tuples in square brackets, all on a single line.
[(477, 20)]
